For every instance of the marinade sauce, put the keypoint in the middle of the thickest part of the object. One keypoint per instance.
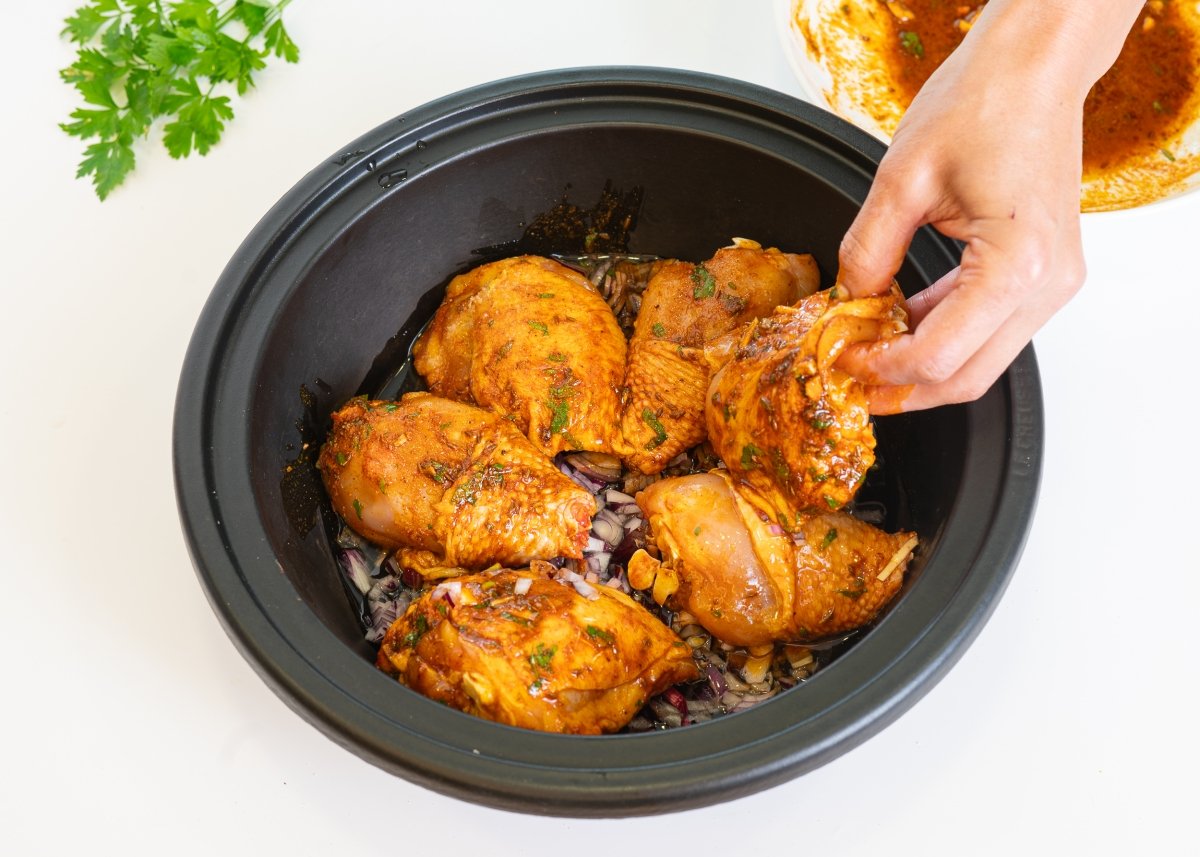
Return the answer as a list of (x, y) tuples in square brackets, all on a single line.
[(1133, 110)]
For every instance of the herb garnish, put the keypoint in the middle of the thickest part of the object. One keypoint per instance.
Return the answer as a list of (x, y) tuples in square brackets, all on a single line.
[(750, 454), (704, 283), (436, 471), (660, 433), (540, 659), (599, 634), (911, 42), (659, 330), (421, 626), (559, 415), (538, 325), (829, 537), (856, 592), (163, 60)]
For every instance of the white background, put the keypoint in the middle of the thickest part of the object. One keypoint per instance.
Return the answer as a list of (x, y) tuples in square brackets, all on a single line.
[(130, 725)]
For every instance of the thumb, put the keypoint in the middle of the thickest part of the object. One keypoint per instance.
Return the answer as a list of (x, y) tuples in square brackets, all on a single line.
[(875, 245)]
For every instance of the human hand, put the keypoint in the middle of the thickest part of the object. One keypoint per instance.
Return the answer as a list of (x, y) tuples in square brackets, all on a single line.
[(989, 153)]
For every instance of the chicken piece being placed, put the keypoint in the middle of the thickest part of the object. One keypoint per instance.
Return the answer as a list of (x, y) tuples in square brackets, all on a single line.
[(781, 415), (449, 485), (524, 649), (532, 340), (684, 306), (750, 583)]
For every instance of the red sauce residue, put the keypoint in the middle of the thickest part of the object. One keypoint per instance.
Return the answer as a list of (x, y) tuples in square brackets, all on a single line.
[(1140, 103)]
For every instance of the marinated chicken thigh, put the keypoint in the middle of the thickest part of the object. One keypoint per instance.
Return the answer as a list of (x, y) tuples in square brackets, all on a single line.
[(781, 415), (685, 306), (449, 485), (531, 340), (748, 581), (521, 648)]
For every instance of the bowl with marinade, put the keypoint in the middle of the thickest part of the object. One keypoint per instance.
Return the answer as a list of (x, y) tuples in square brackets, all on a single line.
[(867, 59)]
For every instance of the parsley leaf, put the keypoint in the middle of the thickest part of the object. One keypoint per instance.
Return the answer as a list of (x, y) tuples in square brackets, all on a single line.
[(143, 61), (704, 283), (911, 42), (660, 434)]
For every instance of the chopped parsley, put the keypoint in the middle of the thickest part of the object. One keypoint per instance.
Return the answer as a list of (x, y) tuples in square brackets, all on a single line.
[(559, 415), (436, 471), (540, 326), (660, 433), (484, 476), (358, 508), (659, 330), (540, 659), (856, 591), (911, 42), (750, 454), (342, 458), (704, 283), (545, 295), (779, 464), (420, 627), (557, 357), (600, 634)]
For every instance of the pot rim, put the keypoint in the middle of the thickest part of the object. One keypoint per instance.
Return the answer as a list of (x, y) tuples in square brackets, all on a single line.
[(355, 705)]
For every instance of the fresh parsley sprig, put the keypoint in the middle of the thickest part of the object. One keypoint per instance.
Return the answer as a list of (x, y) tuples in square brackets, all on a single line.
[(142, 60)]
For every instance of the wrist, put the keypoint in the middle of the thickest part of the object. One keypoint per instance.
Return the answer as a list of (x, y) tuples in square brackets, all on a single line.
[(1060, 42)]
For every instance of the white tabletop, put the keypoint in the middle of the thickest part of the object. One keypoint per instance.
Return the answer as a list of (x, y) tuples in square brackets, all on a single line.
[(132, 726)]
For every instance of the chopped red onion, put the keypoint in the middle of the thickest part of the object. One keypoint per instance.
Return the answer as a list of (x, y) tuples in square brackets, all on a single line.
[(594, 545), (451, 590), (717, 680), (579, 479), (608, 526), (586, 589), (616, 498), (522, 585), (356, 568)]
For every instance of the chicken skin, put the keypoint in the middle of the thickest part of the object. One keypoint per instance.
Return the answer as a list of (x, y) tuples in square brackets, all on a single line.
[(684, 307), (750, 583), (524, 649), (449, 485), (781, 415), (532, 340)]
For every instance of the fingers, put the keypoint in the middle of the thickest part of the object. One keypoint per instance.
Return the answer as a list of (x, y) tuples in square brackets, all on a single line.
[(875, 245), (967, 384), (920, 304), (960, 315), (976, 374)]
